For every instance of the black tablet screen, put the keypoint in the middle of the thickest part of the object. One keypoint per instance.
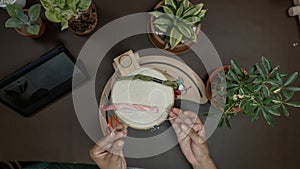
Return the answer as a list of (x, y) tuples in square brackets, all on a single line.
[(40, 85)]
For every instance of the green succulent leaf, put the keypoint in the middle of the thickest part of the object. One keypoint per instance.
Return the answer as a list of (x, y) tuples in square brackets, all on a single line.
[(193, 10), (157, 14), (33, 29), (293, 104), (162, 21), (71, 4), (14, 23), (268, 118), (285, 111), (291, 79), (83, 5), (175, 38), (22, 16), (60, 3), (185, 4), (193, 19), (11, 10), (162, 28), (179, 11), (202, 13), (170, 3), (34, 12), (185, 29), (168, 10)]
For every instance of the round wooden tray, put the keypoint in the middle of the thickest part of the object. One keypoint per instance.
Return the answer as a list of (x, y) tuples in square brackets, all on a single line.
[(174, 69)]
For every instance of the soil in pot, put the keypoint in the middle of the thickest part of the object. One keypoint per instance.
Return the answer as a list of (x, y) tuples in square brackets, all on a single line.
[(85, 23)]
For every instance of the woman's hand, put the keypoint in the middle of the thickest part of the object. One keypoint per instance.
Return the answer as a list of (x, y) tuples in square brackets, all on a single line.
[(108, 152), (191, 136)]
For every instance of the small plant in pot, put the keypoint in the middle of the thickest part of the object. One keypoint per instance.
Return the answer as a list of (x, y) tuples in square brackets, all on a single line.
[(79, 16), (26, 22), (175, 25), (260, 91)]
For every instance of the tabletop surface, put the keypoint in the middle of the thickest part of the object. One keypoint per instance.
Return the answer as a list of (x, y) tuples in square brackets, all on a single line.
[(238, 29)]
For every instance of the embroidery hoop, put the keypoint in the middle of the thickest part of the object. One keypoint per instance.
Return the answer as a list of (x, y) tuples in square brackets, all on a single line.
[(172, 69)]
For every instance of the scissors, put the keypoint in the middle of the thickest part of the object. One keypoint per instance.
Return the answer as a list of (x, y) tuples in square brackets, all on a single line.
[(110, 116)]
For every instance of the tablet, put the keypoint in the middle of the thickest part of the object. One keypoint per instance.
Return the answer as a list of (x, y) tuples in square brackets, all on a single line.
[(40, 82)]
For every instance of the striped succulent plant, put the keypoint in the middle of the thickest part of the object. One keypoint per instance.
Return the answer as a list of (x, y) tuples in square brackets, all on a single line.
[(176, 21)]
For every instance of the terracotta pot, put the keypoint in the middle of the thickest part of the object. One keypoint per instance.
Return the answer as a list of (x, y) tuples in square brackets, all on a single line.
[(90, 11), (160, 43), (42, 29), (208, 86)]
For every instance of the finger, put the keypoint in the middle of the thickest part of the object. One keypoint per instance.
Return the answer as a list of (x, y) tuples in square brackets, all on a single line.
[(117, 149), (192, 134), (105, 143), (189, 117), (180, 135), (176, 111), (172, 114)]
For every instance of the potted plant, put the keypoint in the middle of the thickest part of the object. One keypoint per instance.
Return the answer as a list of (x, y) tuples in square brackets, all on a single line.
[(79, 16), (26, 22), (21, 3), (175, 25), (260, 91)]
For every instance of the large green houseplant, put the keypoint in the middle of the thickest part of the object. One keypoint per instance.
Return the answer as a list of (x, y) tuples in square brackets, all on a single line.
[(26, 22), (262, 90), (176, 24), (80, 16)]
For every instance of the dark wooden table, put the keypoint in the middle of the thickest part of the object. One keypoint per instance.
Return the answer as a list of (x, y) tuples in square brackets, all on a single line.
[(239, 29)]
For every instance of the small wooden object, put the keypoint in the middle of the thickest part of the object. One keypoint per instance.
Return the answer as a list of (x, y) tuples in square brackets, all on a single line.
[(126, 63)]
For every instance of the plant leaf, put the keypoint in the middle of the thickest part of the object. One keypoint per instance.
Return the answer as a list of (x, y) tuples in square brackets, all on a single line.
[(293, 104), (256, 115), (14, 23), (260, 71), (162, 28), (184, 29), (170, 3), (267, 65), (193, 19), (285, 111), (11, 10), (83, 5), (157, 14), (162, 21), (228, 123), (293, 89), (193, 10), (185, 4), (287, 95), (179, 11), (236, 67), (168, 10), (64, 25), (268, 118), (291, 79), (22, 17), (34, 12), (46, 4), (175, 38), (272, 111), (220, 124), (33, 29)]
